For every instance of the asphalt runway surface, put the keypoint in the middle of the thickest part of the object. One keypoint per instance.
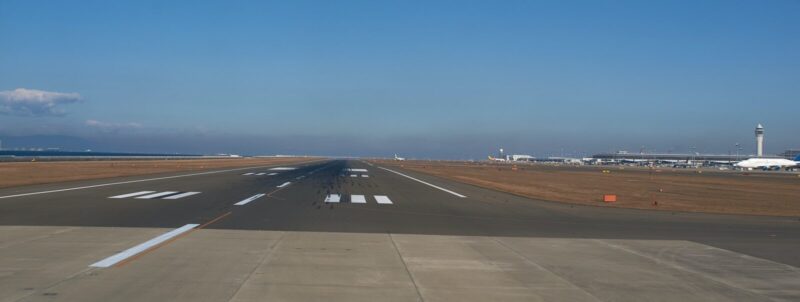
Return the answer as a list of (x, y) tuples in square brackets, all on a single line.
[(349, 198)]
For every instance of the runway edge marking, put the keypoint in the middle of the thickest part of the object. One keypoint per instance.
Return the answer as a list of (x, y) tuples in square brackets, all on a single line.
[(424, 182), (132, 181)]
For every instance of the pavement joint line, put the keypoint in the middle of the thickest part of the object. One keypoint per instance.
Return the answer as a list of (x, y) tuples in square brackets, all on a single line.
[(142, 247), (423, 182), (405, 266), (679, 267), (249, 199), (267, 256), (131, 181), (531, 262)]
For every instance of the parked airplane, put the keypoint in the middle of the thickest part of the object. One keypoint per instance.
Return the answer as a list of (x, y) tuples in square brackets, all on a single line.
[(399, 158), (491, 158), (768, 163)]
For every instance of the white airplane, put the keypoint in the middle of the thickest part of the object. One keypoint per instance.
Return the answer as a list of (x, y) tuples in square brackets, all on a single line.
[(768, 163), (398, 158), (496, 159)]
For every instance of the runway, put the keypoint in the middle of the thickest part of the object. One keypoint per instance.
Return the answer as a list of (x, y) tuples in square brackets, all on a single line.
[(352, 230)]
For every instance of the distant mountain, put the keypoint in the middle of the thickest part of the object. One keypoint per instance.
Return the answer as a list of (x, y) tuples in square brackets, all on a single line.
[(61, 142)]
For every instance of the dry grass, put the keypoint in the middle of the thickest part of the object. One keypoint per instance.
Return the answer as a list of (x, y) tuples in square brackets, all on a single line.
[(662, 189), (27, 173)]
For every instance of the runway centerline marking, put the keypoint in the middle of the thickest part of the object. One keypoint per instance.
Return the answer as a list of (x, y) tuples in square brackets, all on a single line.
[(248, 200), (271, 174), (285, 184), (121, 256), (132, 194), (383, 199), (129, 182), (424, 182), (182, 195)]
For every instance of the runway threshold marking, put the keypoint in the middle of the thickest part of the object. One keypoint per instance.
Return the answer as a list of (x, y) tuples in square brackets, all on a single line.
[(132, 194), (248, 200), (383, 199), (424, 182), (121, 256), (128, 182), (285, 184)]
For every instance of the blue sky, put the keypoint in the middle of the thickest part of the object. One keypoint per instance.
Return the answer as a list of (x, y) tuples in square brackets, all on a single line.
[(449, 79)]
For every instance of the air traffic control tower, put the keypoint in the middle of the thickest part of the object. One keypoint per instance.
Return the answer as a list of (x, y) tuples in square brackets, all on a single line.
[(760, 140)]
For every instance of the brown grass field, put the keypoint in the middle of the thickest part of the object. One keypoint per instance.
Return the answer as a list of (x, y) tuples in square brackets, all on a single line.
[(14, 174), (758, 193)]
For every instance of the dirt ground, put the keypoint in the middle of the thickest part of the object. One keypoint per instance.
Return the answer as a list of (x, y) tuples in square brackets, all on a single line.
[(28, 173), (759, 193)]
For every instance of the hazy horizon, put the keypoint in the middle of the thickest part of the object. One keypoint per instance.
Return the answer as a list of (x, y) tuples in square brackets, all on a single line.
[(424, 80)]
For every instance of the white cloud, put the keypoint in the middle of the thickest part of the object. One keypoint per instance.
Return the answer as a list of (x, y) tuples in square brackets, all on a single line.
[(31, 102), (111, 127)]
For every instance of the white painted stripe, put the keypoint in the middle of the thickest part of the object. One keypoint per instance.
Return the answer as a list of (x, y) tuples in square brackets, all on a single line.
[(159, 194), (182, 195), (282, 169), (132, 194), (364, 175), (353, 175), (423, 182), (333, 198), (285, 184), (129, 182), (246, 201), (271, 174), (357, 170), (251, 173), (382, 199), (357, 199), (259, 174), (110, 261), (300, 177)]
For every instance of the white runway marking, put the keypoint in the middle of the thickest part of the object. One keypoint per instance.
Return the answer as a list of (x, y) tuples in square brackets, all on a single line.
[(246, 201), (364, 175), (300, 177), (128, 182), (282, 169), (382, 199), (357, 170), (182, 195), (285, 184), (334, 198), (259, 174), (132, 194), (353, 175), (357, 199), (271, 174), (159, 194), (110, 261), (251, 173), (423, 182)]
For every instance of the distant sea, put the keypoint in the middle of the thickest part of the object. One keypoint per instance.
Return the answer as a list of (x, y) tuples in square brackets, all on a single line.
[(55, 153)]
